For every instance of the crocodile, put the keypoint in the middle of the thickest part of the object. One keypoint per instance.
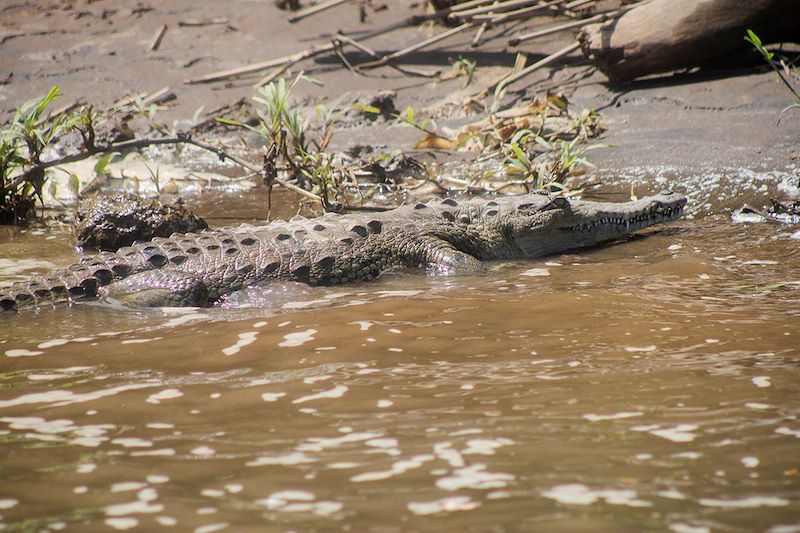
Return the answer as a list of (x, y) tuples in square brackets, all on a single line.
[(446, 236)]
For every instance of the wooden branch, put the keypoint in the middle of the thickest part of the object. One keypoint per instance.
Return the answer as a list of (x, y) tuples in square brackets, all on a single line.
[(419, 46), (291, 58), (500, 8), (157, 38), (479, 34), (372, 53), (505, 82), (135, 144), (663, 35), (525, 12), (204, 22), (600, 17), (313, 10)]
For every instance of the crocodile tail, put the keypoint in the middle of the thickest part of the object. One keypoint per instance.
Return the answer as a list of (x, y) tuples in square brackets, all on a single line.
[(76, 282)]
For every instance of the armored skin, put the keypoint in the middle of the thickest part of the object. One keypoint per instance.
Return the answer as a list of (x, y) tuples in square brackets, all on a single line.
[(448, 236)]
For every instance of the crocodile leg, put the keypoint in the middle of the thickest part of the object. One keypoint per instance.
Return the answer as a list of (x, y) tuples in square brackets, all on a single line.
[(444, 258), (159, 288)]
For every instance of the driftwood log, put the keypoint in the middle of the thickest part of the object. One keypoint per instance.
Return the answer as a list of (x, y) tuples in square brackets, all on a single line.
[(664, 35)]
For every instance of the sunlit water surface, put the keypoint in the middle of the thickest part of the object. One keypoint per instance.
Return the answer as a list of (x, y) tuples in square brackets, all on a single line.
[(648, 385)]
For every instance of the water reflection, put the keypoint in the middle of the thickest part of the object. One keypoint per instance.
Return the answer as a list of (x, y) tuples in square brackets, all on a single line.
[(651, 384)]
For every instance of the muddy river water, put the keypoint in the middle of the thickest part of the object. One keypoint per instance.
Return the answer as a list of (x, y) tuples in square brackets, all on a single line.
[(647, 385)]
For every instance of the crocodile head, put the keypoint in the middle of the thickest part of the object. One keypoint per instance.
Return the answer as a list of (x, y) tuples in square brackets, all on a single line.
[(546, 225)]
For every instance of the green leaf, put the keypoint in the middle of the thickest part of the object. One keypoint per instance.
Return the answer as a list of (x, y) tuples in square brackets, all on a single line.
[(54, 93), (521, 155), (102, 163), (74, 184), (753, 38), (230, 122), (542, 142), (367, 109)]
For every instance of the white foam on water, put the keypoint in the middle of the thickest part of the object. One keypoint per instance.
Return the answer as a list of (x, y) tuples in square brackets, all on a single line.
[(294, 458), (680, 527), (336, 392), (166, 394), (786, 431), (272, 396), (650, 348), (591, 417), (761, 381), (474, 477), (751, 502), (297, 501), (397, 468), (679, 433), (578, 494), (297, 338), (21, 352), (444, 505), (246, 338), (536, 272)]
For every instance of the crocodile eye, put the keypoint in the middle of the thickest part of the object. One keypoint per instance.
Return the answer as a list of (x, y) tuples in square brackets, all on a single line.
[(560, 202)]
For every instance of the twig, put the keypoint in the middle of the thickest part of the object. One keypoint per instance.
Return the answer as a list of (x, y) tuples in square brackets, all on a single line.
[(204, 22), (278, 71), (157, 38), (162, 95), (525, 12), (313, 10), (479, 34), (505, 6), (427, 42), (135, 144), (372, 53), (277, 62), (600, 17), (505, 82)]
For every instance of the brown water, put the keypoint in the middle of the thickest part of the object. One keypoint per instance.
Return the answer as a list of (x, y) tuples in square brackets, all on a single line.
[(648, 385)]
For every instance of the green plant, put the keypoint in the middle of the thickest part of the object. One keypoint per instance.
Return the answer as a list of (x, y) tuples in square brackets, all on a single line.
[(22, 142), (461, 67), (783, 67), (286, 146), (551, 167)]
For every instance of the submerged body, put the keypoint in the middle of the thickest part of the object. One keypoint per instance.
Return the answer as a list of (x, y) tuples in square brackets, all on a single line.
[(447, 236)]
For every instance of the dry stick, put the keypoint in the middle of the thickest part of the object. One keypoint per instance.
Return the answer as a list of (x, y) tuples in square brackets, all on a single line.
[(525, 12), (238, 71), (277, 62), (427, 42), (479, 34), (370, 52), (505, 6), (469, 5), (158, 37), (527, 70), (281, 69), (313, 10), (600, 17), (204, 22), (162, 95), (338, 51), (143, 143)]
